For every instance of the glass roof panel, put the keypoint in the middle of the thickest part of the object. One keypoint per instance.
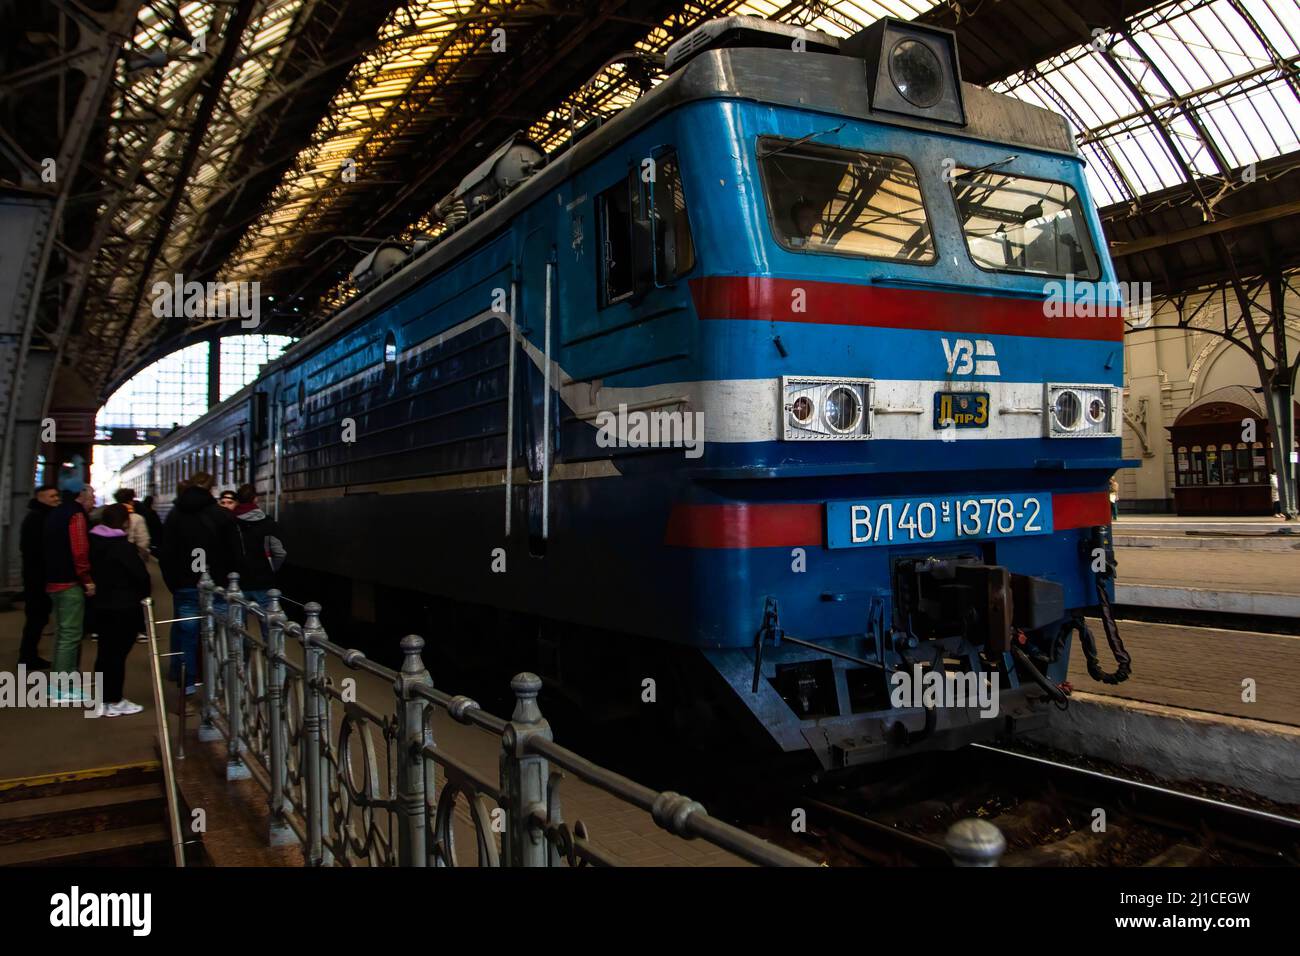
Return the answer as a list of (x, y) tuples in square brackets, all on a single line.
[(1206, 86)]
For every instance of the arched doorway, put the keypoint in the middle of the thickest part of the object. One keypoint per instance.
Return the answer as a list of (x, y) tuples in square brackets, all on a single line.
[(1217, 471)]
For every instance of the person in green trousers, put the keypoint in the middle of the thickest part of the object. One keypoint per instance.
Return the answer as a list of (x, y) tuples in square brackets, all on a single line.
[(67, 577)]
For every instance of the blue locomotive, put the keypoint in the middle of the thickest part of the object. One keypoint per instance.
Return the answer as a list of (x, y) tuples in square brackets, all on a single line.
[(759, 401)]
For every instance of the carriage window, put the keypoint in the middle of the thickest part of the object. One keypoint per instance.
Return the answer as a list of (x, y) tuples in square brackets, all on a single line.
[(1016, 224), (674, 250), (616, 208), (822, 199)]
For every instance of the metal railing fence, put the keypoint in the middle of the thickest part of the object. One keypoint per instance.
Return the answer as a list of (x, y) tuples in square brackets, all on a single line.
[(380, 790)]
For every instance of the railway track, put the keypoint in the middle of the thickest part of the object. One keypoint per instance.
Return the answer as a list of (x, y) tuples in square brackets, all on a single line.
[(1051, 814)]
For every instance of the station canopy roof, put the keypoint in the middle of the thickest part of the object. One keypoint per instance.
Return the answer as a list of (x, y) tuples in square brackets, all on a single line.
[(229, 163)]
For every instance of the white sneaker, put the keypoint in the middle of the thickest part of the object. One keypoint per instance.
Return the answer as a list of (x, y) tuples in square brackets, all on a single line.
[(123, 708)]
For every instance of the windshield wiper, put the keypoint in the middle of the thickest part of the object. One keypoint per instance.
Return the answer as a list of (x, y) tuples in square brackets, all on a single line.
[(800, 141), (987, 166)]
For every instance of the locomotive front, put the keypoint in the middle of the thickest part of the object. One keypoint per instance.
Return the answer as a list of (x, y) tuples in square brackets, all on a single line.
[(911, 372)]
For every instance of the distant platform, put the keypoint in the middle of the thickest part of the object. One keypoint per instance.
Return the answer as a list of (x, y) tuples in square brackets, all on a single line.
[(1211, 532), (1225, 579)]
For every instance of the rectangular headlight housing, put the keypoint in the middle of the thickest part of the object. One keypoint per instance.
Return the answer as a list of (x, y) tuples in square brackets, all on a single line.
[(1081, 411), (817, 407)]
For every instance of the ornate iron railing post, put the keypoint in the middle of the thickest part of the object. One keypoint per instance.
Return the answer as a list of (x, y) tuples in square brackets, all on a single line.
[(974, 842), (413, 736), (208, 731), (524, 777), (280, 833), (235, 768), (313, 732)]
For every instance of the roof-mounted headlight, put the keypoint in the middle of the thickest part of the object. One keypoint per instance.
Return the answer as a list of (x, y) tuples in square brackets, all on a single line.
[(911, 68)]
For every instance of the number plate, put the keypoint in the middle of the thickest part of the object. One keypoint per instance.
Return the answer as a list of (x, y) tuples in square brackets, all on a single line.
[(963, 409), (874, 521)]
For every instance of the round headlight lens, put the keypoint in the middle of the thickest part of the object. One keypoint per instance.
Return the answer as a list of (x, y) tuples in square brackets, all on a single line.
[(802, 409), (1096, 411), (916, 73), (843, 409), (1068, 409)]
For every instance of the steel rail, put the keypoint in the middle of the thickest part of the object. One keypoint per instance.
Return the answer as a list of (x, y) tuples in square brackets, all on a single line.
[(1168, 793)]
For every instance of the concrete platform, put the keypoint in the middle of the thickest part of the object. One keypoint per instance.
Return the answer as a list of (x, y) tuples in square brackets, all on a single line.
[(1201, 669), (1176, 525), (1181, 745), (57, 740), (1232, 581)]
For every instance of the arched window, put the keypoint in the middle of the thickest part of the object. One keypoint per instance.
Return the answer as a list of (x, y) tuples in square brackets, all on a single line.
[(1196, 474), (1181, 466), (1228, 462), (1213, 474)]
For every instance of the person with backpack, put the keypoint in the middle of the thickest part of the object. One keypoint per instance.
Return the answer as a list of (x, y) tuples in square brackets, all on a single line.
[(261, 550), (197, 536), (121, 583)]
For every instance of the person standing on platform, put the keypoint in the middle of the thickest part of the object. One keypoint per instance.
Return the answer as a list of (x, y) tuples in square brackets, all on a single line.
[(261, 550), (197, 535), (152, 522), (122, 582), (36, 603), (137, 531), (1114, 497), (67, 575)]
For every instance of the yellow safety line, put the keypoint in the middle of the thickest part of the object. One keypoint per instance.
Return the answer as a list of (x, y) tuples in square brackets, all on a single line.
[(69, 775)]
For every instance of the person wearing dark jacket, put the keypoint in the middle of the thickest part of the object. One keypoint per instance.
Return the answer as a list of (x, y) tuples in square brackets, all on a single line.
[(67, 574), (36, 603), (261, 550), (151, 521), (121, 583), (197, 535)]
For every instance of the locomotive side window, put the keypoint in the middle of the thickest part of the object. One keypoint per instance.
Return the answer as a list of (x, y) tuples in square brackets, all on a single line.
[(674, 248), (1015, 224), (616, 208), (844, 201)]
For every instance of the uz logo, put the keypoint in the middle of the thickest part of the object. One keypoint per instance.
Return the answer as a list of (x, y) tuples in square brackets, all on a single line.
[(961, 355)]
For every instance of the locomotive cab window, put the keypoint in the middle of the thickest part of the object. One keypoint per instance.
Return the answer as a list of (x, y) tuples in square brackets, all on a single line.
[(645, 234), (617, 210), (674, 248), (1016, 224), (844, 201)]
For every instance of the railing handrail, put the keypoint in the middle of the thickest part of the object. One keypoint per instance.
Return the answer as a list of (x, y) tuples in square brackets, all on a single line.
[(251, 711), (164, 737)]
